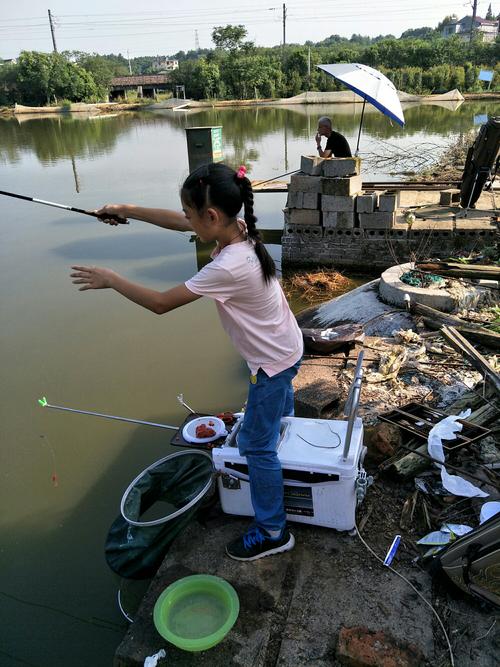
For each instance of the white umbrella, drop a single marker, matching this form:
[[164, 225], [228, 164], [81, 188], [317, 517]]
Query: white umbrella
[[372, 86]]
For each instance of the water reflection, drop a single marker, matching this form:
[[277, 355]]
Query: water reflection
[[68, 137]]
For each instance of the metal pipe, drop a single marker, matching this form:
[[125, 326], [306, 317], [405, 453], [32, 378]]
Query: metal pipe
[[44, 404]]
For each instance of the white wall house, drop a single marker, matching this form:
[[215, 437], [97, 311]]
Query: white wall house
[[487, 29]]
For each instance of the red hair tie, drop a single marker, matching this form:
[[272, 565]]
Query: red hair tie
[[241, 173]]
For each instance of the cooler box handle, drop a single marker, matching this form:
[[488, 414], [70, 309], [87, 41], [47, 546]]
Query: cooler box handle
[[352, 402]]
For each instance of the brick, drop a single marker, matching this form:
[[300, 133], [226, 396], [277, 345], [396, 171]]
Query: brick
[[388, 201], [449, 197], [347, 186], [312, 165], [337, 203], [377, 220], [341, 166], [304, 216], [366, 203], [360, 647], [304, 183], [338, 219]]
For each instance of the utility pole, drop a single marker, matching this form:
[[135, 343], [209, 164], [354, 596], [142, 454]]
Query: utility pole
[[474, 12], [284, 24], [52, 31], [129, 65], [309, 69], [196, 41]]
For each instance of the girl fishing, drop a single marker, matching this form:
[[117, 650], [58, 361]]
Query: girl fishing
[[254, 312]]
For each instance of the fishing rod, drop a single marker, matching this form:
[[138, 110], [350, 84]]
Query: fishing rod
[[43, 402], [118, 219]]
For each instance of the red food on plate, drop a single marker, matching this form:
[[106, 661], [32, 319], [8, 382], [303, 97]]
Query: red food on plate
[[227, 417], [204, 431]]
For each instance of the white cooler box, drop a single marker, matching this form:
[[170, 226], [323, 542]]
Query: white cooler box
[[321, 460]]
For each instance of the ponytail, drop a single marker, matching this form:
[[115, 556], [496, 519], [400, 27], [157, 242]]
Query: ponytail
[[265, 259], [229, 191]]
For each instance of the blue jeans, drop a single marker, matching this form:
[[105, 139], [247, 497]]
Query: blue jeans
[[269, 399]]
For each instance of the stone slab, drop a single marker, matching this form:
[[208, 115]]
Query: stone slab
[[350, 185], [200, 550], [338, 203]]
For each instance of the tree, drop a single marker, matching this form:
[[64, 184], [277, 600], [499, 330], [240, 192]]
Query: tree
[[489, 14], [229, 38], [44, 77]]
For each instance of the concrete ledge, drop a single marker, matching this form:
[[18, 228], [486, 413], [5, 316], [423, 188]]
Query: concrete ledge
[[392, 291]]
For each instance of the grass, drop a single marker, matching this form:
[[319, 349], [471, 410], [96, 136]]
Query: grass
[[315, 286]]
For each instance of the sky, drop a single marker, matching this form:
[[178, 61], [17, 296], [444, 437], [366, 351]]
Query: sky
[[152, 27]]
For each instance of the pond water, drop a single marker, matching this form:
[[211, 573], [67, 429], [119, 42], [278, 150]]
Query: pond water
[[63, 474]]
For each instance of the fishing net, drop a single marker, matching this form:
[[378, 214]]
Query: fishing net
[[155, 508], [420, 279]]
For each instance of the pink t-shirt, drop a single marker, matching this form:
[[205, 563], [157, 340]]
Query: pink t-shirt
[[254, 313]]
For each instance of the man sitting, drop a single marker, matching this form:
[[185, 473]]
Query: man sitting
[[336, 144]]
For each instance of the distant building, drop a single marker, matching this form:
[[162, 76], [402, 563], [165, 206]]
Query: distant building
[[487, 29], [146, 85], [8, 61], [164, 65]]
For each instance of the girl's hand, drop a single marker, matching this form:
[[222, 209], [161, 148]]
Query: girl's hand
[[92, 277], [105, 211], [318, 140]]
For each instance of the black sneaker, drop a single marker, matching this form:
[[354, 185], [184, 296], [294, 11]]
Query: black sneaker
[[256, 543]]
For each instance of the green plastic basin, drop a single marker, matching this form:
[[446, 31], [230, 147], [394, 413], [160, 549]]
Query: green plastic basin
[[196, 612]]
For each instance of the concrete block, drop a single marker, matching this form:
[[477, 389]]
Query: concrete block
[[377, 220], [388, 201], [338, 219], [310, 200], [312, 165], [449, 197], [304, 216], [295, 199], [341, 166], [304, 183], [337, 203], [367, 202], [350, 185]]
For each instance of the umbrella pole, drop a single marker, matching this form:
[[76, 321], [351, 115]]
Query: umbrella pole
[[360, 125]]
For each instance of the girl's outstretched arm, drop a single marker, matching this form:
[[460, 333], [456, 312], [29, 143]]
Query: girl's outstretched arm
[[94, 277], [161, 217]]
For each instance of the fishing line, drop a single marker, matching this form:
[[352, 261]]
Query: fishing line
[[101, 623], [450, 650], [54, 476]]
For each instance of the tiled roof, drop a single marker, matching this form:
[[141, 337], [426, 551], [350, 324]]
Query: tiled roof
[[140, 80]]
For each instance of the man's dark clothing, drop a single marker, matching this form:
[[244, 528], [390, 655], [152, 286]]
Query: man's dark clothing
[[337, 143]]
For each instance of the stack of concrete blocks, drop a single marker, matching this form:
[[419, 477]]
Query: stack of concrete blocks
[[324, 193], [377, 210]]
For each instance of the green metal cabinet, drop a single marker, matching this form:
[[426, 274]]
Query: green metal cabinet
[[204, 145]]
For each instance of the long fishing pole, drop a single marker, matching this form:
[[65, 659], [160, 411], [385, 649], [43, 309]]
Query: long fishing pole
[[118, 219], [43, 402]]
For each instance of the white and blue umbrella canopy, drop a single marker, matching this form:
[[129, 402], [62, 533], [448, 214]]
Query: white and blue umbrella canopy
[[371, 85]]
